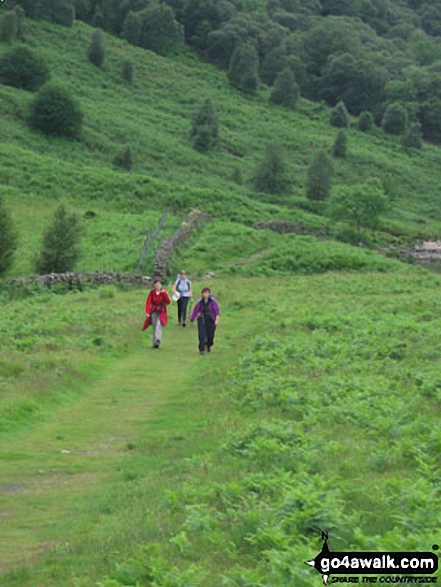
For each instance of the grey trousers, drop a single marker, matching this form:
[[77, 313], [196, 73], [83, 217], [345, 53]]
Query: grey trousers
[[157, 328]]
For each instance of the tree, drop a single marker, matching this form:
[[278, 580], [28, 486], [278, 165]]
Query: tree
[[124, 159], [132, 28], [273, 63], [340, 147], [8, 240], [55, 112], [205, 130], [160, 30], [127, 71], [271, 174], [95, 50], [360, 205], [319, 181], [20, 14], [359, 83], [413, 137], [365, 121], [22, 68], [8, 26], [395, 118], [243, 68], [339, 116], [430, 117], [61, 244], [154, 28], [286, 92]]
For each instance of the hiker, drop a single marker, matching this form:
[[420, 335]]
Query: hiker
[[207, 313], [182, 286], [156, 311]]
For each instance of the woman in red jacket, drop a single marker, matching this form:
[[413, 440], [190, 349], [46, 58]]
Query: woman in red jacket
[[156, 311]]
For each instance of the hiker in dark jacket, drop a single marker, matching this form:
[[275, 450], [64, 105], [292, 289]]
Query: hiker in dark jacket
[[182, 286], [207, 313]]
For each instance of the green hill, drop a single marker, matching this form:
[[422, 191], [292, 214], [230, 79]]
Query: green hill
[[318, 409], [153, 116]]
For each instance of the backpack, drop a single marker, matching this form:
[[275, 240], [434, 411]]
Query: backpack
[[187, 281]]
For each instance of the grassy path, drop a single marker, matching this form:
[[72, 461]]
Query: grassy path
[[149, 413]]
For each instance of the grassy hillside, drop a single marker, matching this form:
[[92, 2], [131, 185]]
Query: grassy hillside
[[319, 406], [153, 116]]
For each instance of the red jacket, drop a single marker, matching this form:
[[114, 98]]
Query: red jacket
[[156, 301]]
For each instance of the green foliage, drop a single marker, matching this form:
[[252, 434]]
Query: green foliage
[[8, 240], [413, 137], [340, 147], [271, 174], [339, 116], [22, 68], [8, 26], [127, 71], [307, 255], [153, 28], [365, 121], [205, 130], [359, 83], [359, 205], [319, 181], [20, 14], [286, 91], [124, 159], [55, 112], [61, 244], [96, 51], [430, 117], [243, 68], [395, 119]]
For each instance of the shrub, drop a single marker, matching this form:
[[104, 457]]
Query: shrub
[[95, 50], [8, 26], [395, 119], [127, 71], [55, 112], [339, 116], [124, 159], [271, 174], [413, 137], [60, 251], [340, 147], [8, 240], [319, 182], [22, 68], [286, 92], [359, 205], [205, 129], [243, 68], [365, 121]]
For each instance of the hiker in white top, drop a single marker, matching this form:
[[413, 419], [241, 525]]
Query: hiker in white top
[[182, 286]]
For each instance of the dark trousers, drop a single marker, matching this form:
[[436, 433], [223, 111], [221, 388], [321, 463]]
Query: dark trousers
[[206, 330], [182, 309]]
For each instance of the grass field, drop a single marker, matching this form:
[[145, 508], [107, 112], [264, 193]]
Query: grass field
[[318, 409]]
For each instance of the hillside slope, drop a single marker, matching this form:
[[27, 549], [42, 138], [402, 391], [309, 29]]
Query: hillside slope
[[153, 116]]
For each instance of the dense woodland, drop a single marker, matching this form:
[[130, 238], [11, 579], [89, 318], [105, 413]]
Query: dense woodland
[[370, 54]]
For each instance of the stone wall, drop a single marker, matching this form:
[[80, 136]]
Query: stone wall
[[286, 227], [167, 248], [74, 280]]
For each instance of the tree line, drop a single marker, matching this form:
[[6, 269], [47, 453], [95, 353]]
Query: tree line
[[369, 54]]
